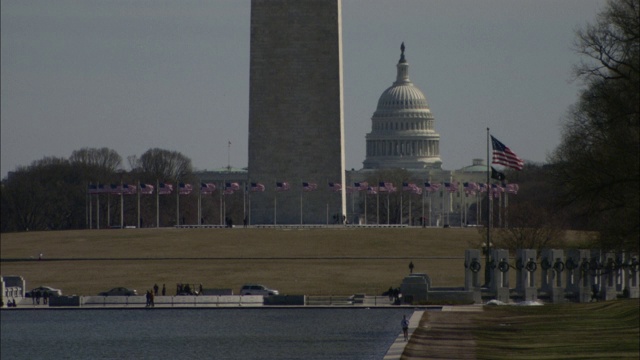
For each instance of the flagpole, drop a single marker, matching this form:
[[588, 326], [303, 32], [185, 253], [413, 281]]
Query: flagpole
[[88, 217], [487, 272], [200, 204], [97, 210], [157, 203], [177, 202], [121, 206], [138, 191]]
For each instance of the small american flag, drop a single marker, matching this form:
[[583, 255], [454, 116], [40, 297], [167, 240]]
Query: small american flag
[[361, 185], [232, 185], [371, 190], [282, 186], [165, 189], [207, 189], [146, 189], [309, 186], [512, 188], [256, 187], [335, 186], [185, 189]]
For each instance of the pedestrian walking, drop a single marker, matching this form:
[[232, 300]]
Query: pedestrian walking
[[411, 267], [155, 289], [405, 327], [164, 290]]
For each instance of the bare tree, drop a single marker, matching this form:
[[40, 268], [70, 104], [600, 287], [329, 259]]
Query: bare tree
[[165, 165], [103, 158], [597, 163]]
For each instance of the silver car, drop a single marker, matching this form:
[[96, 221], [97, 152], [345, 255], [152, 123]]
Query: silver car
[[256, 289], [119, 291], [41, 290]]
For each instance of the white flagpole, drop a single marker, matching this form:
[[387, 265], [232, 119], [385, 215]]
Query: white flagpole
[[98, 210], [138, 191], [89, 213], [157, 203], [121, 206], [177, 202]]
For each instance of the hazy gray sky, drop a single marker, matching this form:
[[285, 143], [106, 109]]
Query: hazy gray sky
[[135, 75]]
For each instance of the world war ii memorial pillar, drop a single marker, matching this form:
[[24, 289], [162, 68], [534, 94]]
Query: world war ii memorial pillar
[[472, 267], [499, 283], [551, 274], [296, 126], [578, 284], [525, 274]]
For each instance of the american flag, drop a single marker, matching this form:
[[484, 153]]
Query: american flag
[[335, 186], [228, 191], [146, 189], [282, 186], [512, 188], [371, 190], [165, 189], [470, 188], [482, 188], [361, 185], [207, 189], [185, 189], [232, 185], [256, 187], [431, 187], [504, 156], [496, 190], [385, 187], [309, 186], [451, 187]]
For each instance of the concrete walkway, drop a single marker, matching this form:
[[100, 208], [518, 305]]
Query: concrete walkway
[[445, 335], [396, 349]]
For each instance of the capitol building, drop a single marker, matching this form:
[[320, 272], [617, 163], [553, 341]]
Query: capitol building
[[402, 127]]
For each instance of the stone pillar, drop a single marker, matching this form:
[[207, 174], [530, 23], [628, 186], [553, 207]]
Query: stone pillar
[[551, 274], [472, 267], [525, 274], [632, 279], [577, 275], [499, 274], [610, 276], [595, 273]]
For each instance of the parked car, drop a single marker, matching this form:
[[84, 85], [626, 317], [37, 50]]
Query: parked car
[[42, 290], [256, 289], [119, 291]]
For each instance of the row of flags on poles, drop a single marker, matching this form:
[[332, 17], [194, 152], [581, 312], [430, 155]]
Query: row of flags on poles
[[469, 188], [502, 155]]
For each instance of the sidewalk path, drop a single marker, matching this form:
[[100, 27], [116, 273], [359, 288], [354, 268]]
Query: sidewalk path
[[396, 349], [445, 334]]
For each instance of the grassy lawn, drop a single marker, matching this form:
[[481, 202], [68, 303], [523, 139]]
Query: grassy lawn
[[603, 330], [336, 261]]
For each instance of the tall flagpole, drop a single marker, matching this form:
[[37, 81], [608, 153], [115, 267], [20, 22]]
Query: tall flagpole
[[138, 191], [157, 203], [487, 272]]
